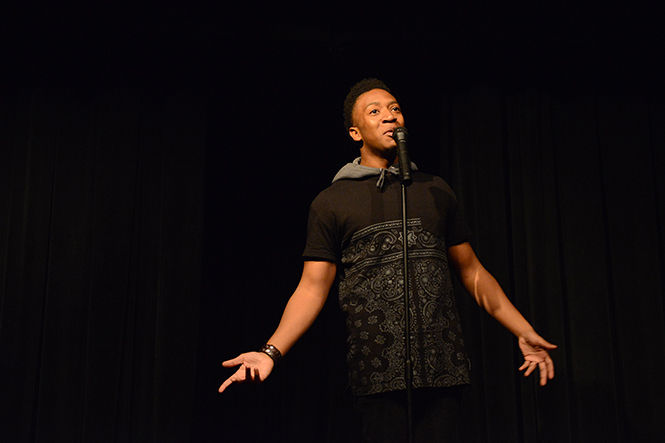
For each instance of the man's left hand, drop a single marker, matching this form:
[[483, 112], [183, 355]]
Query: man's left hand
[[534, 348]]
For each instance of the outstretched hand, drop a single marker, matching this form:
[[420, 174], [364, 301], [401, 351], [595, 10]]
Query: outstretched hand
[[534, 348], [254, 367]]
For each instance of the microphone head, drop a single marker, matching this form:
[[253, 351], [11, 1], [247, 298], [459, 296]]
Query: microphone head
[[399, 134]]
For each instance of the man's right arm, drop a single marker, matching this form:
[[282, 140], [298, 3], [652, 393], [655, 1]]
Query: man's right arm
[[300, 312]]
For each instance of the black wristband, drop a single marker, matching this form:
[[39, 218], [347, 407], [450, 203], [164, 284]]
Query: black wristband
[[271, 352]]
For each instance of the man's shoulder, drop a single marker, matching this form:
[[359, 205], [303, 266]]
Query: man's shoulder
[[432, 180], [335, 198], [340, 188]]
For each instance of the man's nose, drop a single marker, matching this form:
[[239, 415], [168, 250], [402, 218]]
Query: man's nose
[[389, 117]]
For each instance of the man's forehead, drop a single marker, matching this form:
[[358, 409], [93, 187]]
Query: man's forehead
[[374, 96]]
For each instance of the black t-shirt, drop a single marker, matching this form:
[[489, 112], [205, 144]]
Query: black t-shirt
[[358, 226]]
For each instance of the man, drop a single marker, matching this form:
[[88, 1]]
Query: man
[[354, 234]]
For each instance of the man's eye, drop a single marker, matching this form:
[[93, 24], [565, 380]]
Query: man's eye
[[396, 108], [374, 111]]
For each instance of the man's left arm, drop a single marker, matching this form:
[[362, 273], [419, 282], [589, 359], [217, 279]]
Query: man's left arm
[[489, 295]]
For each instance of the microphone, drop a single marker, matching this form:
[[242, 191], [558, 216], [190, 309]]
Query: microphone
[[399, 135]]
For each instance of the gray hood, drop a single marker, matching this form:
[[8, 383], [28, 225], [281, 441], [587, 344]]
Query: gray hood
[[355, 170]]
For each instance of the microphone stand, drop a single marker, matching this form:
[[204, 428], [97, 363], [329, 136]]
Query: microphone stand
[[405, 178], [407, 321]]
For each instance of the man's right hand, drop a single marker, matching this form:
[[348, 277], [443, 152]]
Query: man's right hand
[[254, 367], [301, 310]]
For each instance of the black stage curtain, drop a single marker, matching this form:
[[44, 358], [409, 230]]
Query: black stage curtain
[[565, 194], [101, 233]]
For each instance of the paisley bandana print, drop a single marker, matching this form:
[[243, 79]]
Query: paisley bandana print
[[371, 291]]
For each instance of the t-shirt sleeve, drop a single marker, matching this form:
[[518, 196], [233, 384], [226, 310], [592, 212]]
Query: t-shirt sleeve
[[322, 239], [457, 229]]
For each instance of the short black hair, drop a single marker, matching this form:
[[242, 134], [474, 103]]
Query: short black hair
[[364, 85]]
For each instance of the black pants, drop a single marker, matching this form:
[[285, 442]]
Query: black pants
[[435, 416]]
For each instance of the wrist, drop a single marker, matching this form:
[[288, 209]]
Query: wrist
[[526, 334], [272, 352]]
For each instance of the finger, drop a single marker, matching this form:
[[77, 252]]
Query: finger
[[532, 367], [524, 365], [257, 375], [233, 362], [238, 377], [542, 369], [228, 382]]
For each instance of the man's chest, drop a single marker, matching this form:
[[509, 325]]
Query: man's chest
[[367, 212]]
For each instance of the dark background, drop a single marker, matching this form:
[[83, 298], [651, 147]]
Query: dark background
[[156, 167]]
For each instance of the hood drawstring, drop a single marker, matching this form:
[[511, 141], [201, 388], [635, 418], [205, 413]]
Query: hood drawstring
[[382, 177], [355, 170]]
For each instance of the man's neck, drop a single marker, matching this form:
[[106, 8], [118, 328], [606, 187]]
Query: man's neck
[[372, 160]]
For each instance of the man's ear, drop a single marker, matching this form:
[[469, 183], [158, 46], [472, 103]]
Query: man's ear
[[355, 134]]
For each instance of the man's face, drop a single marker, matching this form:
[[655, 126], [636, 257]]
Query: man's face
[[376, 114]]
